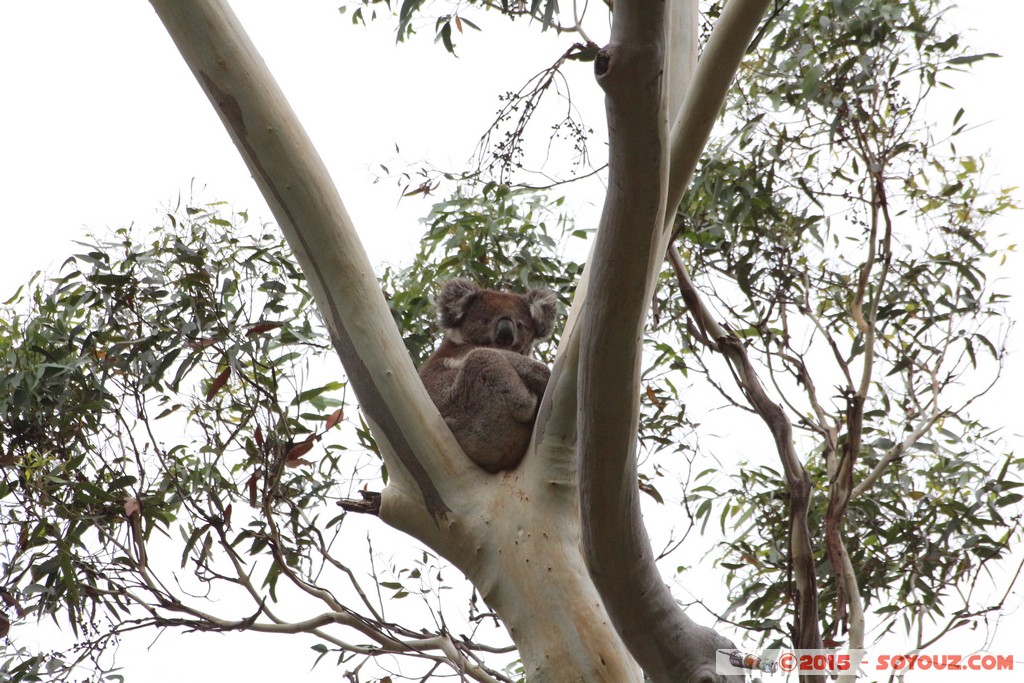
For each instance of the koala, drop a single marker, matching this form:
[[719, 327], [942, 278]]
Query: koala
[[482, 378]]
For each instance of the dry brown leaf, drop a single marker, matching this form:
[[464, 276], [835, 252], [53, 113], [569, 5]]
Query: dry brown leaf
[[218, 383]]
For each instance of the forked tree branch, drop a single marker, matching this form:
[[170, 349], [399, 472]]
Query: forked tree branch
[[849, 605], [525, 577]]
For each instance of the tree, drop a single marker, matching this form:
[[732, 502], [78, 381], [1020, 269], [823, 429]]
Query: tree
[[749, 221], [907, 260]]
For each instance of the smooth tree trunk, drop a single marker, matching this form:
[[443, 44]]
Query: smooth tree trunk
[[650, 165]]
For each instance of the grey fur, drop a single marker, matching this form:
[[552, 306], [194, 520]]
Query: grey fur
[[482, 378]]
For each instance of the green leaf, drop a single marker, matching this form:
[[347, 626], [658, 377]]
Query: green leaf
[[971, 59], [445, 36]]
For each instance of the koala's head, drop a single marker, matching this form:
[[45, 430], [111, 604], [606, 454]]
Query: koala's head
[[485, 317]]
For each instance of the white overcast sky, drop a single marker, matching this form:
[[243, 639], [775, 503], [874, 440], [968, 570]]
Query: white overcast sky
[[101, 124]]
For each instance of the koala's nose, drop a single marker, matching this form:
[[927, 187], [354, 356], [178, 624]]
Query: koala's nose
[[505, 333]]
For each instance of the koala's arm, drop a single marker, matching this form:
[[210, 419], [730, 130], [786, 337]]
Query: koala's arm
[[487, 376], [535, 375]]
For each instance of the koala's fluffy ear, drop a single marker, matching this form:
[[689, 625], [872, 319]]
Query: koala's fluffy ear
[[453, 300], [543, 310]]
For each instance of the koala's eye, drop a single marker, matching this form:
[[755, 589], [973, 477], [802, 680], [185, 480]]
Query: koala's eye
[[520, 324], [485, 321]]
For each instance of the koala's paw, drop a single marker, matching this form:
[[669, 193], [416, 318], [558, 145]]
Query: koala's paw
[[535, 375]]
